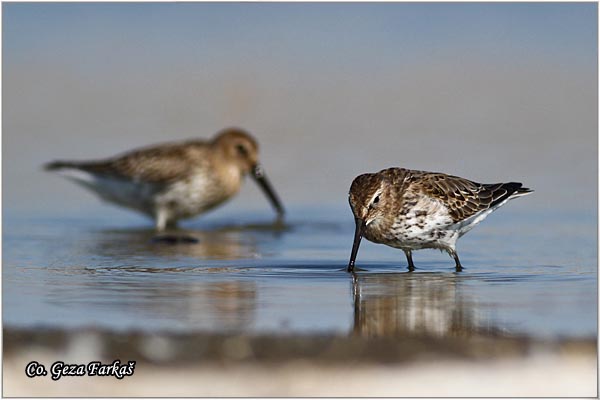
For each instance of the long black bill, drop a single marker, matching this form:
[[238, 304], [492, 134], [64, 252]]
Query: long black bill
[[358, 234], [259, 176]]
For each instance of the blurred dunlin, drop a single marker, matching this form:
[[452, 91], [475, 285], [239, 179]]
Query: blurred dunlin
[[174, 181], [412, 210]]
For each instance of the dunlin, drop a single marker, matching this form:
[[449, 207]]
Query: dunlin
[[174, 181], [412, 210]]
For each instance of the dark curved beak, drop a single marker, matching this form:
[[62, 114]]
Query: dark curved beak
[[259, 176], [358, 234]]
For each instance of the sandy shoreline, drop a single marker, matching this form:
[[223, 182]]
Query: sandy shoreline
[[261, 366], [535, 376]]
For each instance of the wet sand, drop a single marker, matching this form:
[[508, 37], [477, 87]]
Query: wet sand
[[170, 364]]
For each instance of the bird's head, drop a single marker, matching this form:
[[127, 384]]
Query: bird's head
[[367, 196], [239, 148]]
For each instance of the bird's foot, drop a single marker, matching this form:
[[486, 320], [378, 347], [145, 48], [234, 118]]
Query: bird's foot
[[353, 270], [174, 238]]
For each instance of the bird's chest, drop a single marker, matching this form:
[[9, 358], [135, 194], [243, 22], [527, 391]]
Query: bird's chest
[[412, 228], [197, 193]]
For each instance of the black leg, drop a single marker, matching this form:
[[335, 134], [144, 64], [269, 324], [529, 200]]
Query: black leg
[[411, 265], [459, 267]]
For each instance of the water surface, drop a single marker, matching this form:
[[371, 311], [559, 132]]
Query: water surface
[[525, 274]]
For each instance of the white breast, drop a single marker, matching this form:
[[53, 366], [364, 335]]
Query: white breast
[[194, 195], [424, 225]]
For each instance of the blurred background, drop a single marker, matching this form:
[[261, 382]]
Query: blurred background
[[491, 92]]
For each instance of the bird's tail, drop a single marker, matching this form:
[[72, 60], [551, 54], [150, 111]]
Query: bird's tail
[[516, 189], [508, 191], [79, 171], [86, 172], [87, 166], [58, 165]]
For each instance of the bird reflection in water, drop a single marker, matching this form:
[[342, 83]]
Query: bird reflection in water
[[413, 304], [232, 304], [219, 243], [213, 305]]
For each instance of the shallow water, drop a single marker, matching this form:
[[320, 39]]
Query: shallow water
[[525, 274]]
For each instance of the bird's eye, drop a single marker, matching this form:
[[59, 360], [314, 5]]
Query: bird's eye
[[376, 200], [242, 150]]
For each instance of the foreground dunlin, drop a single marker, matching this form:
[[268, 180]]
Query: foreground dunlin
[[174, 181], [412, 210]]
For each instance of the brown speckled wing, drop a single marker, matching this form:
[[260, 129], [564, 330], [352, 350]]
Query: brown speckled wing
[[462, 197], [159, 164]]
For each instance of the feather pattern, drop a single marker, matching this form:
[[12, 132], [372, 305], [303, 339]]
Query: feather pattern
[[162, 163], [463, 198]]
